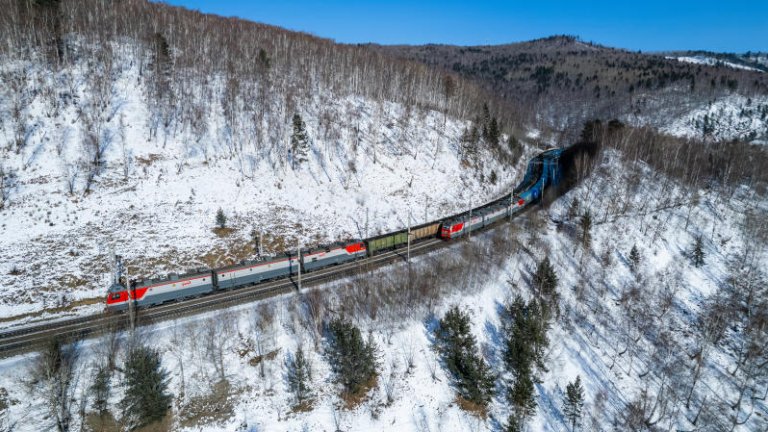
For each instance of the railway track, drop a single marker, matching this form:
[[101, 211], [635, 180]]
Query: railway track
[[26, 339]]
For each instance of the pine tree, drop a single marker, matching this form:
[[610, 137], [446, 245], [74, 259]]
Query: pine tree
[[545, 280], [493, 132], [697, 256], [146, 397], [221, 218], [485, 120], [299, 142], [526, 337], [515, 148], [300, 376], [457, 346], [573, 403], [521, 396], [526, 342], [469, 140], [634, 258], [352, 359], [101, 389], [514, 424], [586, 227], [264, 60]]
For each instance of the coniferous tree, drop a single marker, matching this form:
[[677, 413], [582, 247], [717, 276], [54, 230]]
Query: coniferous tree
[[264, 59], [101, 389], [458, 349], [697, 256], [586, 227], [526, 335], [352, 359], [299, 142], [545, 280], [469, 140], [515, 148], [522, 397], [573, 403], [634, 258], [524, 354], [221, 218], [146, 396], [300, 376], [493, 132], [514, 424], [485, 120]]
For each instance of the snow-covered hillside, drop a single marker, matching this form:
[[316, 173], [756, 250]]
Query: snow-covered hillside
[[732, 117], [701, 59], [154, 191], [630, 331]]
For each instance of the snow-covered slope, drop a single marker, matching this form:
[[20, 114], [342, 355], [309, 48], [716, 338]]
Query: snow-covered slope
[[700, 59], [154, 197], [627, 333], [732, 117]]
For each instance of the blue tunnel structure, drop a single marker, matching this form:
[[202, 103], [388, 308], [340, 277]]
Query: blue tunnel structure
[[544, 170]]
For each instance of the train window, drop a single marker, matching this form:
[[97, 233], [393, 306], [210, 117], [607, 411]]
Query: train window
[[116, 296]]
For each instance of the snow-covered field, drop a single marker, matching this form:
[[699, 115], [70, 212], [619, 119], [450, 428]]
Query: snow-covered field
[[601, 334], [371, 164]]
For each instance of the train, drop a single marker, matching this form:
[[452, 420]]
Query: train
[[543, 170]]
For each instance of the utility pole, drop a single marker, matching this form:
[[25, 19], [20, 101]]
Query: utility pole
[[261, 243], [469, 222], [408, 259], [298, 258], [131, 292]]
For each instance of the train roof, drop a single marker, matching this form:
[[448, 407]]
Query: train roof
[[329, 246], [249, 263], [175, 276]]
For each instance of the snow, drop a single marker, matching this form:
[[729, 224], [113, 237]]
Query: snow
[[730, 117], [587, 341], [371, 164], [712, 62]]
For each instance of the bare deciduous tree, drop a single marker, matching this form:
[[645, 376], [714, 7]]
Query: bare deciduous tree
[[54, 376]]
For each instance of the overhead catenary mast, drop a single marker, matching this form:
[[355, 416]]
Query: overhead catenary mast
[[120, 270], [408, 258], [469, 222], [298, 259]]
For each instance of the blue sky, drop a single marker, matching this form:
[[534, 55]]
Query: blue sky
[[650, 25]]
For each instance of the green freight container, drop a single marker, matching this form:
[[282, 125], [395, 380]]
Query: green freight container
[[388, 241]]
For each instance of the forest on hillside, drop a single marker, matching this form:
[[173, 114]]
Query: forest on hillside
[[564, 81]]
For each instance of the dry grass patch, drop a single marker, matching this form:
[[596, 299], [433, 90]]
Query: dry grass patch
[[69, 281], [223, 232], [149, 159], [306, 406], [106, 422], [259, 358], [215, 407], [353, 400], [473, 408]]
